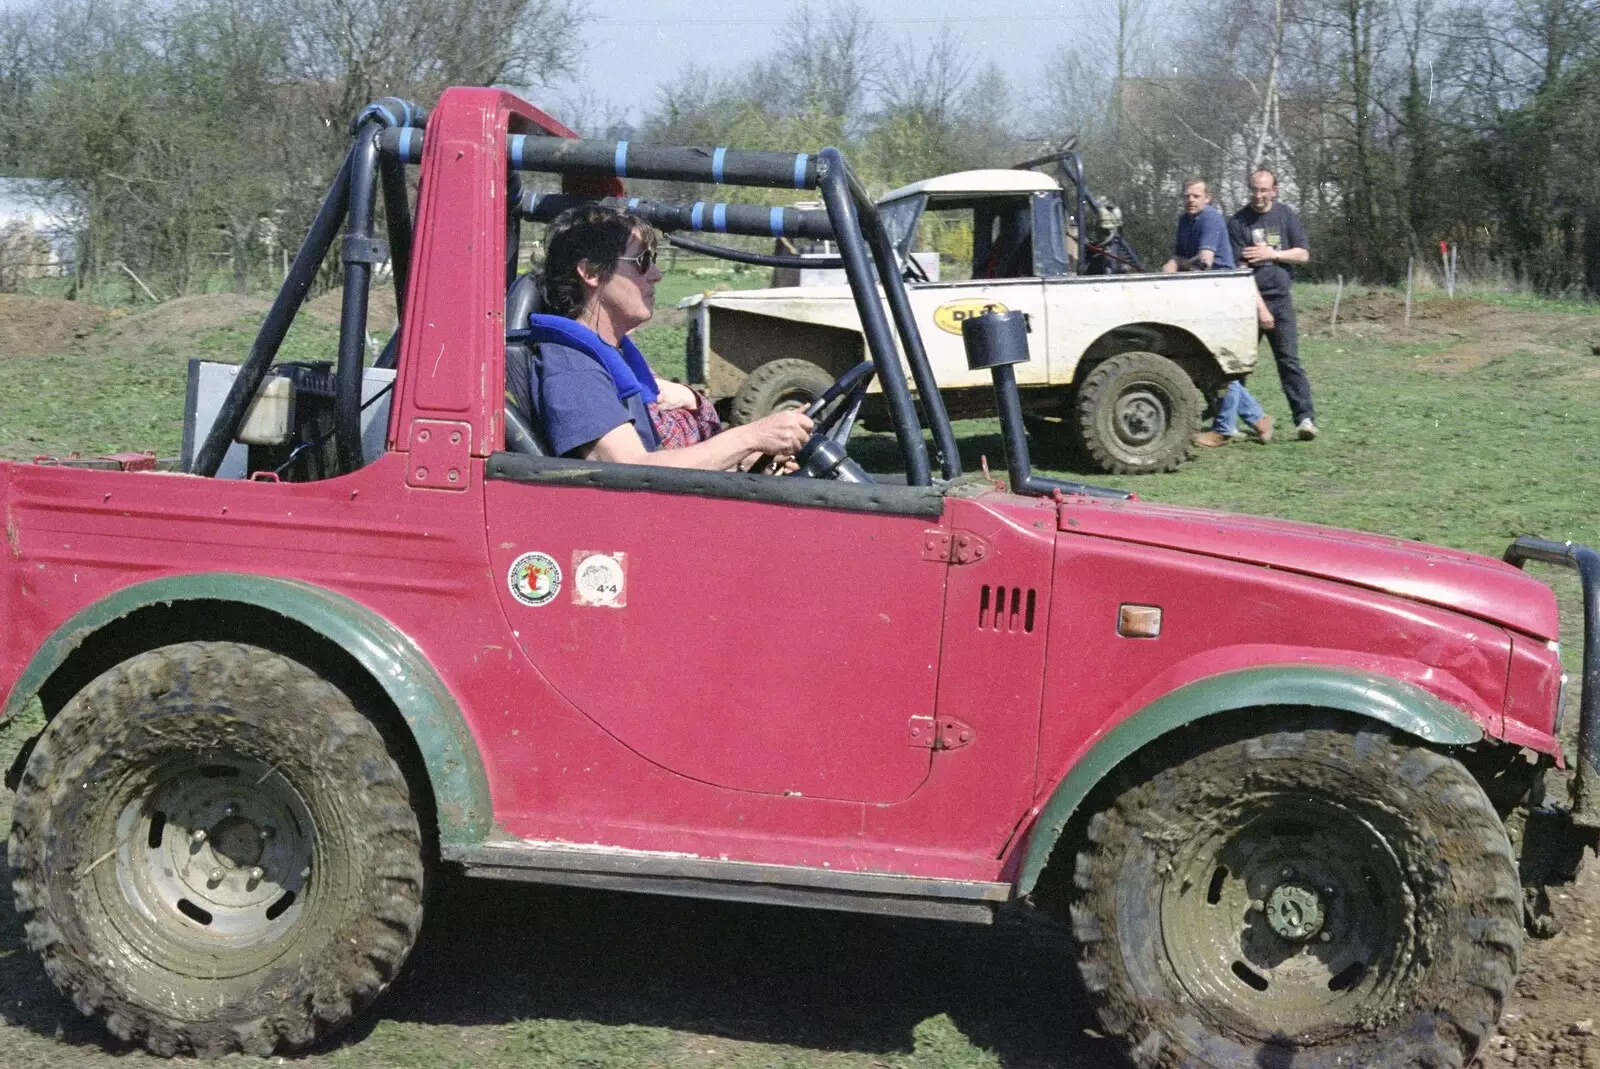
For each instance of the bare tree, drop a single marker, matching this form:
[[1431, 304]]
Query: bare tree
[[364, 49], [827, 57], [1269, 98]]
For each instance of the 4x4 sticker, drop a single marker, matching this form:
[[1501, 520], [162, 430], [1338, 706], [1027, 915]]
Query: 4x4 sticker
[[535, 579], [949, 316], [599, 578]]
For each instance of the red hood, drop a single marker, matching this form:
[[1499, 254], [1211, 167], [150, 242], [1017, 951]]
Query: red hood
[[1465, 582]]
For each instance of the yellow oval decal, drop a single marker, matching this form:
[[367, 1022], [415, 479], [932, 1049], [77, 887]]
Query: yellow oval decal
[[949, 317]]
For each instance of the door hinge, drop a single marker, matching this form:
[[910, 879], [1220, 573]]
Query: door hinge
[[440, 455], [940, 733], [953, 547]]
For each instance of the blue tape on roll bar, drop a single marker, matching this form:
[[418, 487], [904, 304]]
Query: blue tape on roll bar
[[800, 170], [515, 146], [622, 159], [410, 147], [717, 159], [633, 203], [696, 213], [775, 219], [719, 218]]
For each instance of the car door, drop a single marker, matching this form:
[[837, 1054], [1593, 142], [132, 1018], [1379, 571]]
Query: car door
[[754, 633]]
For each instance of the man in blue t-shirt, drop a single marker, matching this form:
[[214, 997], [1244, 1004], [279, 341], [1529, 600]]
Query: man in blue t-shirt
[[1202, 242]]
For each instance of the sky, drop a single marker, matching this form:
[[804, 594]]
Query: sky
[[633, 52]]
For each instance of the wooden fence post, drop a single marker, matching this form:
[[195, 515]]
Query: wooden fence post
[[1411, 266]]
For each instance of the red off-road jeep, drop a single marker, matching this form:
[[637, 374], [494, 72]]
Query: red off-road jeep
[[1263, 770]]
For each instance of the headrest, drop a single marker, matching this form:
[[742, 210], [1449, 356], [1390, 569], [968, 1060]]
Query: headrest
[[522, 300]]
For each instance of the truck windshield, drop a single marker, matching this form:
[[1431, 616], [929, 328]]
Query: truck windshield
[[900, 220]]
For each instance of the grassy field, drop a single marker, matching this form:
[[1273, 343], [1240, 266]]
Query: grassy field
[[1472, 426]]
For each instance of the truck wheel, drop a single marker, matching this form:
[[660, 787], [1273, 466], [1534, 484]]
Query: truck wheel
[[1137, 413], [1316, 895], [778, 385], [213, 851]]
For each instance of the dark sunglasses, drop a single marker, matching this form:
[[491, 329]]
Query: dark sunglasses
[[644, 261]]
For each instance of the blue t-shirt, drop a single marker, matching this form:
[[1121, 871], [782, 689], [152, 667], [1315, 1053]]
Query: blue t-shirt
[[575, 400], [1205, 230]]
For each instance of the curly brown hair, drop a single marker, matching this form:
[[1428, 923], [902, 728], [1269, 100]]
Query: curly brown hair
[[597, 233]]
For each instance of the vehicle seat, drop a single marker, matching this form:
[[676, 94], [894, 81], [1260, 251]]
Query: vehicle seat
[[522, 436]]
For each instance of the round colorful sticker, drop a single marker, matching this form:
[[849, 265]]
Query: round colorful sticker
[[535, 579]]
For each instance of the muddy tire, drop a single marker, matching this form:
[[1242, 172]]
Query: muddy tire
[[776, 386], [213, 851], [1316, 894], [1137, 413]]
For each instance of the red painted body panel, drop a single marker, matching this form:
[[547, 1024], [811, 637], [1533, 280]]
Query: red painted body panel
[[991, 680], [1532, 689], [1465, 582], [1220, 615], [761, 647], [750, 694]]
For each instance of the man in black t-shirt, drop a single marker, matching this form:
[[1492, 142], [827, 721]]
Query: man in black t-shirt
[[1277, 239]]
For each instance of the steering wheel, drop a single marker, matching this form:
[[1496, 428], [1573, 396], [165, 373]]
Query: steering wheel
[[823, 456]]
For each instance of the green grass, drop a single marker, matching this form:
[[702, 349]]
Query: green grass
[[1468, 454], [107, 398], [1468, 458]]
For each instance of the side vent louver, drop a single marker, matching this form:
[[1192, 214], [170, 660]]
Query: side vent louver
[[1006, 609]]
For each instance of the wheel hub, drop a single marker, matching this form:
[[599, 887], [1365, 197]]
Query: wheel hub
[[238, 842], [216, 858], [1289, 917], [1141, 418], [1295, 912]]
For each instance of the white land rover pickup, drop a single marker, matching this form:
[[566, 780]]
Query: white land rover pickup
[[1123, 365]]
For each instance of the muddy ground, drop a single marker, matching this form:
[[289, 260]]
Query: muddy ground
[[1553, 1020]]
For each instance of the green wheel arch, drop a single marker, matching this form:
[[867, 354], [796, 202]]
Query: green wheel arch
[[455, 773], [1401, 705]]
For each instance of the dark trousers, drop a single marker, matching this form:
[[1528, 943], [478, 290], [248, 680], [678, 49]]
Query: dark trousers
[[1284, 338]]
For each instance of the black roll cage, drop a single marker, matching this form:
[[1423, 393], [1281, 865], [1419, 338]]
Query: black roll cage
[[388, 135]]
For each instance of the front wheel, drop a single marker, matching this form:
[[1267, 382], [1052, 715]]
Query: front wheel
[[1309, 893], [1137, 413], [213, 851]]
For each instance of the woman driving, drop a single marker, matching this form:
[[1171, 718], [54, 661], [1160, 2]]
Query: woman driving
[[590, 384]]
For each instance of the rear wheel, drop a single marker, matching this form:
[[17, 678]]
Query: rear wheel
[[1318, 895], [777, 386], [1137, 413], [214, 851]]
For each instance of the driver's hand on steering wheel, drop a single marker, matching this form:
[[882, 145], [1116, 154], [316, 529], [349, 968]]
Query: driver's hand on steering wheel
[[781, 434], [764, 464]]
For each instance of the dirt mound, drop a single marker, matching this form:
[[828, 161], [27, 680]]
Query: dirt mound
[[178, 320], [1436, 316], [1481, 331], [380, 307], [37, 326]]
